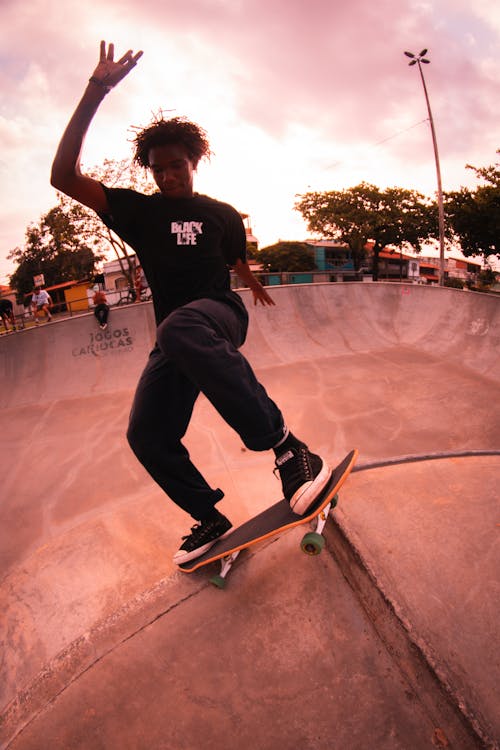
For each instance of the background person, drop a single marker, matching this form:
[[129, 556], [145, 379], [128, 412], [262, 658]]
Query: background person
[[139, 282], [7, 313], [101, 309], [40, 302]]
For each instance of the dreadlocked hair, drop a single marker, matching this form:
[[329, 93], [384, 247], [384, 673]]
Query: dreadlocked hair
[[162, 132]]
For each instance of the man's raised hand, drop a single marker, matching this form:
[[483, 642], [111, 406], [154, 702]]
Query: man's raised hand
[[108, 72]]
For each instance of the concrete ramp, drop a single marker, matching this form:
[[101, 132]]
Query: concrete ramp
[[86, 542], [73, 358]]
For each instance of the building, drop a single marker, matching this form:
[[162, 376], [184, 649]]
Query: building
[[252, 242], [114, 278], [335, 258], [7, 293], [455, 267], [429, 270]]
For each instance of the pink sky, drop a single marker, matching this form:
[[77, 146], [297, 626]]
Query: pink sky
[[295, 96]]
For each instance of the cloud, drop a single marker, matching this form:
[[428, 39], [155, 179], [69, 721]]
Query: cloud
[[334, 64], [294, 95]]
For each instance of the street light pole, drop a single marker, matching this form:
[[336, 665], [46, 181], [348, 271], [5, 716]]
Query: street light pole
[[417, 60]]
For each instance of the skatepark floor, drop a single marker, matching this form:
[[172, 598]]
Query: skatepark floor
[[388, 639]]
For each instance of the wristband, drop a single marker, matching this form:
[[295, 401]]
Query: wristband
[[101, 84]]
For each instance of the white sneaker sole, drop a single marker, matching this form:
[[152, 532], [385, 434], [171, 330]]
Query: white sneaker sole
[[305, 496], [183, 557]]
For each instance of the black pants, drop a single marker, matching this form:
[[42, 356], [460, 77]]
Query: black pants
[[101, 312], [197, 351]]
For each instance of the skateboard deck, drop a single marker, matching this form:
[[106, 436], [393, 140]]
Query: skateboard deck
[[272, 522]]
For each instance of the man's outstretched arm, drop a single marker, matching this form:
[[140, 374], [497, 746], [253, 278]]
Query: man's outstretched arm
[[259, 293], [66, 174]]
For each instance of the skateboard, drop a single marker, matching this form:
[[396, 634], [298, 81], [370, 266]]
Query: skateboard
[[272, 522]]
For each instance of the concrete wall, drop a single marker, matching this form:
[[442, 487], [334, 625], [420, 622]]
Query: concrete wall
[[74, 358]]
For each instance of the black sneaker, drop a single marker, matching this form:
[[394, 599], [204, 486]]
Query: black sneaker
[[203, 536], [303, 476]]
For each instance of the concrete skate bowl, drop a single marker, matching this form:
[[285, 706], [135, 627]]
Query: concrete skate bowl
[[397, 371]]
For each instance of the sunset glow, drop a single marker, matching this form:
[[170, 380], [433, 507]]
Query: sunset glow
[[295, 96]]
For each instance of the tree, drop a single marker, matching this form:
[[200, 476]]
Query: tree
[[286, 256], [124, 174], [113, 173], [475, 215], [70, 238], [486, 278], [394, 216], [56, 247]]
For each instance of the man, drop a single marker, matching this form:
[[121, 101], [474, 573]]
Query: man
[[139, 283], [40, 302], [101, 308], [7, 313], [185, 243]]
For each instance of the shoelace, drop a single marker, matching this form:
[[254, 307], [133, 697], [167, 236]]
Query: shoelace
[[295, 469], [198, 531], [194, 529]]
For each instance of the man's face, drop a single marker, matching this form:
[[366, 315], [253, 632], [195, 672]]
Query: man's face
[[172, 170]]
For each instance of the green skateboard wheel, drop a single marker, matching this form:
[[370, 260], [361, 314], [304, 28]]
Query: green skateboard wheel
[[218, 581], [312, 543]]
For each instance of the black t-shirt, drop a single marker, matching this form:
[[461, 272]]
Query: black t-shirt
[[184, 245]]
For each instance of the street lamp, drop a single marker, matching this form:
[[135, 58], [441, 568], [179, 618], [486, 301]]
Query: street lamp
[[417, 60]]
